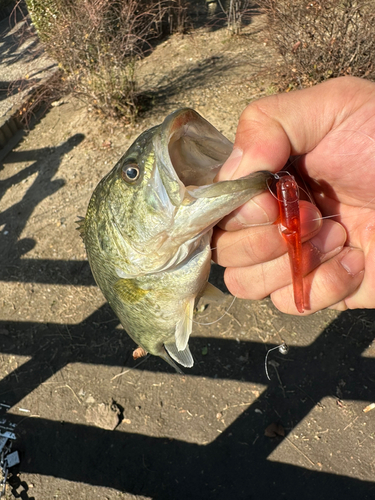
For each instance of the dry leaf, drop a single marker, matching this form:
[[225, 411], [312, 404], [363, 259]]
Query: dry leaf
[[369, 407], [139, 353], [274, 430]]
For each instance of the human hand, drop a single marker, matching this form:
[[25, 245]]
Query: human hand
[[332, 128]]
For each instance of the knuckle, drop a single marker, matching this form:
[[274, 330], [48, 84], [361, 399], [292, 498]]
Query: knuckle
[[240, 284], [235, 285]]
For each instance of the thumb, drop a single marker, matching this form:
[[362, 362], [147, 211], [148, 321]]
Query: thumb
[[272, 129]]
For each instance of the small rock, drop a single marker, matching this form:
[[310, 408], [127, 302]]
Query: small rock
[[104, 415], [58, 103]]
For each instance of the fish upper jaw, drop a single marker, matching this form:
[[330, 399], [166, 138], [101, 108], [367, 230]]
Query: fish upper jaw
[[163, 193], [164, 174], [188, 150]]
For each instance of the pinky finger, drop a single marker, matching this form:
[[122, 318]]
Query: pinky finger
[[328, 285]]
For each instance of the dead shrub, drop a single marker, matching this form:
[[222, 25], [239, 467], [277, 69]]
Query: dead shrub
[[235, 13], [323, 39], [97, 42]]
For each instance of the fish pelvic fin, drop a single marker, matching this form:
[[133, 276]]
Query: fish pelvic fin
[[183, 357], [179, 350], [169, 360], [212, 293], [81, 226], [185, 326]]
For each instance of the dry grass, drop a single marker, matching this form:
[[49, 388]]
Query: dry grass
[[96, 43], [323, 39]]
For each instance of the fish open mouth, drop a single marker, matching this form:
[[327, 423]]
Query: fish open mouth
[[196, 149]]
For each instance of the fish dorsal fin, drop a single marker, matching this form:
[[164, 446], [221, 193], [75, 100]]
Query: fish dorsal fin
[[183, 357], [81, 226], [185, 325], [213, 293]]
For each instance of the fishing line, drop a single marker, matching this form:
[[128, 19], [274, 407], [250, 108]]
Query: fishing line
[[132, 368], [309, 195], [250, 226], [329, 217], [347, 216], [356, 153], [216, 320], [245, 236], [277, 177], [283, 349]]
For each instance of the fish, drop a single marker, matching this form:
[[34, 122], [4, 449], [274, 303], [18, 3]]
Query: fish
[[148, 228]]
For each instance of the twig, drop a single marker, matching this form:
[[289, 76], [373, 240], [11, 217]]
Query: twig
[[130, 369], [315, 402], [272, 363], [68, 386], [352, 422], [235, 319], [296, 447]]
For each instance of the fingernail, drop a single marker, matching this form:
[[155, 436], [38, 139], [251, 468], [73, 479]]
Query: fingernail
[[353, 262], [330, 237], [311, 219], [232, 163]]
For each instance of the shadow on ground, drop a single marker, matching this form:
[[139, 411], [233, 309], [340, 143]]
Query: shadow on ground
[[235, 464], [12, 40]]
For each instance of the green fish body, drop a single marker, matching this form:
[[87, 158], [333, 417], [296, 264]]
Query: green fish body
[[148, 228]]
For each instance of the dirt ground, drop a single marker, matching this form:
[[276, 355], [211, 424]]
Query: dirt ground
[[65, 359]]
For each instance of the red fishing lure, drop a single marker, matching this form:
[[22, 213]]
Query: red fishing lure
[[290, 228]]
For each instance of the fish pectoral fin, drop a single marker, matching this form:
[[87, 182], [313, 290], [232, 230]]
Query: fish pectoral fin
[[183, 357], [185, 325], [213, 293], [129, 291]]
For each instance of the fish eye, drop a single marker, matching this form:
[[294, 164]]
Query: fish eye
[[130, 172]]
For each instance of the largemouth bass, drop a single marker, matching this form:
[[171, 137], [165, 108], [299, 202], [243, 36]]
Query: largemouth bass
[[148, 228]]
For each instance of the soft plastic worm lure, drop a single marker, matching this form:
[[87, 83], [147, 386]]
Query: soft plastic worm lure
[[290, 228]]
